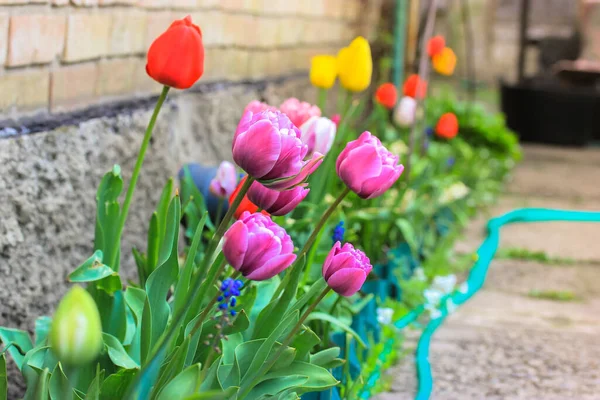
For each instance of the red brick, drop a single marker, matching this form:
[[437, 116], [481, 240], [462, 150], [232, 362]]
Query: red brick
[[24, 90], [35, 39], [87, 36], [73, 86], [128, 33], [116, 77]]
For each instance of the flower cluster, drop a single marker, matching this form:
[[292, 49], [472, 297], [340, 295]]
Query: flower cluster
[[230, 289], [338, 232]]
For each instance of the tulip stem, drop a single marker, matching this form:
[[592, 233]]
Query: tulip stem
[[135, 175], [210, 305], [288, 339], [219, 211], [322, 100]]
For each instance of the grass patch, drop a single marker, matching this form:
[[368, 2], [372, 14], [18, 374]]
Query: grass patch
[[528, 255], [554, 295]]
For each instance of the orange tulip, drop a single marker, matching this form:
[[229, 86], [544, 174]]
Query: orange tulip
[[435, 45], [444, 62], [176, 58], [447, 126], [411, 84], [387, 95]]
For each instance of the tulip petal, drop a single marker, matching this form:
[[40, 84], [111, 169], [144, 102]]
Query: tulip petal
[[263, 246], [272, 267], [257, 149], [289, 160], [236, 244], [290, 182], [288, 204], [376, 186], [348, 281], [360, 164], [329, 259]]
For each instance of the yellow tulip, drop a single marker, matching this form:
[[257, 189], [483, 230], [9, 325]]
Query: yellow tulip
[[355, 65], [323, 71], [444, 62]]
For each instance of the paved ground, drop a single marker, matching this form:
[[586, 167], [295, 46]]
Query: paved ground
[[507, 343]]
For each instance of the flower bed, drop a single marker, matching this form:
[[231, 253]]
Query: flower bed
[[291, 284]]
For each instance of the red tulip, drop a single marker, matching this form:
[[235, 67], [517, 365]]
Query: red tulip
[[387, 95], [447, 126], [176, 58], [246, 204], [411, 84], [435, 45]]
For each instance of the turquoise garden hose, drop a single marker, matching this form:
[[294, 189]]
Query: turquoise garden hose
[[475, 281]]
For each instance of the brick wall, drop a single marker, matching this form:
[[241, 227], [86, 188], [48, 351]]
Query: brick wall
[[61, 55]]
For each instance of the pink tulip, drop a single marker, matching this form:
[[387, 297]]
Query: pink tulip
[[367, 167], [299, 111], [336, 118], [225, 182], [268, 147], [345, 269], [257, 106], [318, 133], [274, 202], [258, 247]]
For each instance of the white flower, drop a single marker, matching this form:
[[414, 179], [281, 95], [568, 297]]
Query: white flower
[[385, 315], [419, 274], [444, 284], [433, 296], [454, 192], [405, 111], [318, 133]]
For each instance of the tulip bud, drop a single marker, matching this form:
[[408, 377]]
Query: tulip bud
[[225, 182], [367, 167], [275, 202], [323, 71], [299, 111], [405, 112], [355, 65], [414, 83], [387, 95], [76, 333], [345, 269], [444, 62], [267, 146], [435, 45], [176, 58], [318, 133], [258, 247], [447, 126]]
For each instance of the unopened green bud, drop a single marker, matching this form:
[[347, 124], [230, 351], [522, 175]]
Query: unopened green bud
[[76, 333]]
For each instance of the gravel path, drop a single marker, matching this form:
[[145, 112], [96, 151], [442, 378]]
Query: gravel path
[[510, 341]]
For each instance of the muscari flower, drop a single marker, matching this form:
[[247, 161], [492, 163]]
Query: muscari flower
[[338, 232], [230, 289]]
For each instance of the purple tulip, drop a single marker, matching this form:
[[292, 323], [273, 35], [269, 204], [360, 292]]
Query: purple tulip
[[225, 182], [346, 269], [258, 247], [299, 111], [367, 167], [318, 133], [268, 147], [275, 202]]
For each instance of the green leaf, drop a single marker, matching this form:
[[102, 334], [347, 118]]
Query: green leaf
[[214, 394], [409, 234], [182, 385], [93, 392], [266, 347], [146, 332], [42, 327], [183, 284], [115, 385], [21, 339], [92, 269], [274, 386], [326, 357], [41, 387], [165, 275], [60, 387], [303, 342], [117, 353], [269, 317], [3, 378], [174, 366], [318, 378], [107, 215], [337, 323], [239, 324]]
